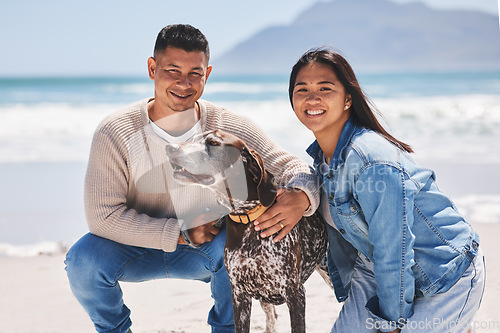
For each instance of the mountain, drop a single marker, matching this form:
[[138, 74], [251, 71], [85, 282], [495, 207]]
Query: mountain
[[374, 35]]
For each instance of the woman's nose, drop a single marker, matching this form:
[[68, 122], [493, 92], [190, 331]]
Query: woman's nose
[[312, 98]]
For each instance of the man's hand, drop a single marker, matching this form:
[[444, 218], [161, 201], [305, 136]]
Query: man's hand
[[284, 214], [203, 233], [203, 229]]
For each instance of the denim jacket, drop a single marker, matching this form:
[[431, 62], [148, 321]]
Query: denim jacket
[[392, 212]]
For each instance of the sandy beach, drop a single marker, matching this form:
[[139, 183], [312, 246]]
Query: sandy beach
[[35, 297]]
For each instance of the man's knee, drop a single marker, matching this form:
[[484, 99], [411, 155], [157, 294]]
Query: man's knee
[[84, 262]]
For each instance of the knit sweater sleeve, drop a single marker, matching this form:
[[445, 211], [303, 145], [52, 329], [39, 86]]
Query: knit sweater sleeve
[[289, 170], [107, 195]]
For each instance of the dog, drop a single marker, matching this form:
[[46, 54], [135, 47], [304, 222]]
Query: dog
[[259, 268]]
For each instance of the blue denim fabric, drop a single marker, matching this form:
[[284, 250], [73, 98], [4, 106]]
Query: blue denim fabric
[[341, 257], [447, 312], [96, 265], [392, 212]]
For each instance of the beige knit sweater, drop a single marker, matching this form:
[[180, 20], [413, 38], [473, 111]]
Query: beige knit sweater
[[130, 196]]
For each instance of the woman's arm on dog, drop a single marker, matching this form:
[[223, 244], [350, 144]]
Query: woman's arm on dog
[[284, 214]]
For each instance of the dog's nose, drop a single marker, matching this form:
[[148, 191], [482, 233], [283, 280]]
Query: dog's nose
[[171, 148]]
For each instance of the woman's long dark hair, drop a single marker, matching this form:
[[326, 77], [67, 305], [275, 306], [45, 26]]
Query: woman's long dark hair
[[361, 112]]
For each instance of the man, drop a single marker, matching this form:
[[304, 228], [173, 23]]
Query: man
[[135, 209]]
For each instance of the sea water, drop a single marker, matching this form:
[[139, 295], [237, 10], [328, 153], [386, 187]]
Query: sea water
[[452, 120]]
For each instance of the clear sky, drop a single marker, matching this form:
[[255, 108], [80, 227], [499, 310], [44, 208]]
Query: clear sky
[[115, 37]]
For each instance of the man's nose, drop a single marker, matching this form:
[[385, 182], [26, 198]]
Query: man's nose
[[184, 81]]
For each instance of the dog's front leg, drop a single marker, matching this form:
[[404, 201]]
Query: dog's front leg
[[271, 316], [296, 302], [242, 308]]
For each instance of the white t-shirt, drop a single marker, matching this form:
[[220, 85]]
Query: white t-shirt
[[193, 131]]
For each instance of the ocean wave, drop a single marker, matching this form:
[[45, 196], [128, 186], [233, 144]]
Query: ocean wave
[[453, 128], [49, 132], [443, 127], [246, 88]]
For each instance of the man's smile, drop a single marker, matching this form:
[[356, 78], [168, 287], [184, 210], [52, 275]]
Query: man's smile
[[179, 95]]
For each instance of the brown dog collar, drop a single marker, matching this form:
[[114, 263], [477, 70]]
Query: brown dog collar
[[250, 216]]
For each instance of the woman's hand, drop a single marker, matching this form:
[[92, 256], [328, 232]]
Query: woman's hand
[[284, 214]]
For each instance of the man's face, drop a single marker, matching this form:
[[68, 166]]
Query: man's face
[[179, 78]]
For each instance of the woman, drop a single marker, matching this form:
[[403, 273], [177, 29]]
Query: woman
[[400, 255]]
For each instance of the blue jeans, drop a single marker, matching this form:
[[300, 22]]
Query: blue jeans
[[95, 266], [451, 311]]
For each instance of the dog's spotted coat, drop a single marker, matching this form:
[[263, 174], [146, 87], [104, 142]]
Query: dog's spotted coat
[[272, 272], [258, 268]]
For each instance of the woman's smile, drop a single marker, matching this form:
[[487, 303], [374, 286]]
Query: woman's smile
[[315, 112], [320, 100]]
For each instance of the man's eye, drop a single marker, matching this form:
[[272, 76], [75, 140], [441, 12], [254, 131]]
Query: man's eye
[[173, 72]]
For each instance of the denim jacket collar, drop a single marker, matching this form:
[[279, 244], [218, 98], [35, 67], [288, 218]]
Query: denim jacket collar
[[314, 150]]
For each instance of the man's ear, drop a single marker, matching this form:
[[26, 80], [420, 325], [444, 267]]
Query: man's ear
[[151, 68], [209, 70]]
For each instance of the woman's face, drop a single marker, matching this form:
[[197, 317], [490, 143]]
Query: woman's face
[[319, 99]]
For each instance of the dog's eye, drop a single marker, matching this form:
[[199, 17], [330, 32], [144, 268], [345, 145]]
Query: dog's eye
[[213, 143]]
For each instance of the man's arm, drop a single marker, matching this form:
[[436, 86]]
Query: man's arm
[[106, 189]]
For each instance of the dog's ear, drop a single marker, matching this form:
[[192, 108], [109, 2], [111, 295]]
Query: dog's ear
[[265, 181], [267, 190]]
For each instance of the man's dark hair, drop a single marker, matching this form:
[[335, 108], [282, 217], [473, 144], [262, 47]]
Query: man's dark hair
[[182, 36]]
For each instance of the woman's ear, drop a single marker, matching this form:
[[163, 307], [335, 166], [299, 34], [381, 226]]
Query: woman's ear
[[348, 102]]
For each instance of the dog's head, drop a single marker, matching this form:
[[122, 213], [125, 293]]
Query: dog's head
[[219, 156]]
